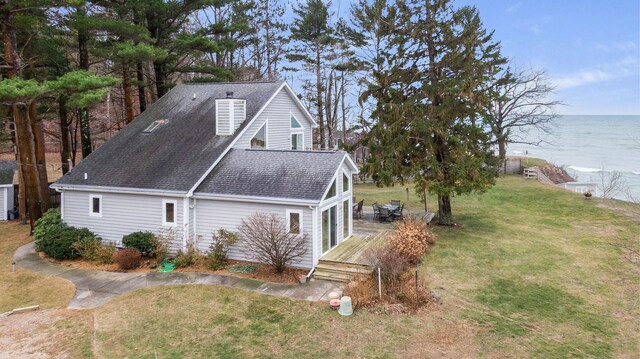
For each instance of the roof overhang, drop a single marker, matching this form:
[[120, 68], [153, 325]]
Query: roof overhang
[[255, 199], [123, 190], [304, 110]]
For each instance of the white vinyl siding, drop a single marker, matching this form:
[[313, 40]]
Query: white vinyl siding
[[122, 214], [212, 215], [338, 201], [4, 200], [278, 112]]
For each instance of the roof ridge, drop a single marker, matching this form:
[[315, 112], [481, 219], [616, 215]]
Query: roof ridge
[[292, 151], [233, 82]]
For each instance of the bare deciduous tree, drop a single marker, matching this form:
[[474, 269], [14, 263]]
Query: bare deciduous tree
[[266, 238], [521, 102], [611, 183]]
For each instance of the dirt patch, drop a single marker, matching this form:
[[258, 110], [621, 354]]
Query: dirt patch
[[59, 333], [235, 268], [627, 209], [556, 174]]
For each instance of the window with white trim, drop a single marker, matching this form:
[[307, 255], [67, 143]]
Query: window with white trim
[[95, 205], [294, 122], [294, 221], [297, 141], [345, 182], [332, 191], [259, 140], [169, 212]]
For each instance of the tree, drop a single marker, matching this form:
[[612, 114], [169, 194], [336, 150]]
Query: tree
[[311, 28], [266, 238], [429, 101], [521, 102]]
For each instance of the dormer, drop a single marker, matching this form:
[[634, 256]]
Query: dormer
[[230, 114]]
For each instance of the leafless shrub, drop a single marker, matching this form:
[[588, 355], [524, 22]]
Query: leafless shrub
[[611, 183], [264, 237]]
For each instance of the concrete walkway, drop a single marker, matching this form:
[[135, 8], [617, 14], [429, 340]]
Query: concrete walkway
[[94, 288]]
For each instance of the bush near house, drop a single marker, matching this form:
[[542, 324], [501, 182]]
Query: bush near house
[[45, 226], [145, 242], [412, 239], [60, 244], [92, 249], [265, 238], [127, 258], [217, 257]]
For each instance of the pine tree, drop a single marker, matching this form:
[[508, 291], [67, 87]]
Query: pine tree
[[429, 99], [312, 30]]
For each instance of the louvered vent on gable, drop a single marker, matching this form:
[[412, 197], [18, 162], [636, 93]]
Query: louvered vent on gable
[[230, 114]]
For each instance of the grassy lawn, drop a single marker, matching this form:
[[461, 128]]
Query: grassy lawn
[[530, 272], [22, 288]]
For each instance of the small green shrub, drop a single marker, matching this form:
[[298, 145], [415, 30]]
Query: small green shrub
[[60, 244], [127, 258], [104, 253], [88, 247], [188, 258], [47, 225], [217, 256], [145, 242]]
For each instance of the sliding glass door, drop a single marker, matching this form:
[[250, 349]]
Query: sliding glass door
[[329, 228]]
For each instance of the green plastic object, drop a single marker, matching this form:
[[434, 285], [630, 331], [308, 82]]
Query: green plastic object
[[237, 268], [166, 266]]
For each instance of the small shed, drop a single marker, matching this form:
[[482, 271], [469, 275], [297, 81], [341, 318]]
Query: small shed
[[8, 171]]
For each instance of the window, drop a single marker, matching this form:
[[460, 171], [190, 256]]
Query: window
[[332, 190], [294, 122], [346, 214], [95, 205], [169, 212], [259, 140], [297, 141], [294, 221], [345, 182], [154, 125]]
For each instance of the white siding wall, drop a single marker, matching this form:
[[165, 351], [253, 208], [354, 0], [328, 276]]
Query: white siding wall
[[212, 215], [121, 214], [278, 114], [4, 206]]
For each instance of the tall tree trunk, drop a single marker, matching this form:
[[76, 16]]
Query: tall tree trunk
[[28, 168], [83, 55], [161, 78], [320, 106], [65, 134], [40, 156], [128, 96], [344, 112], [502, 152], [444, 210], [267, 25], [141, 95], [14, 70]]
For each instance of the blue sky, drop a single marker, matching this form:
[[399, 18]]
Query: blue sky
[[590, 49]]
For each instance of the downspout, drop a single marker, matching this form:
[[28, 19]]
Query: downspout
[[313, 241], [195, 227], [185, 222]]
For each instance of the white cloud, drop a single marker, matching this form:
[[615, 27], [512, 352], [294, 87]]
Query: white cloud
[[512, 9], [626, 67], [581, 77], [625, 46]]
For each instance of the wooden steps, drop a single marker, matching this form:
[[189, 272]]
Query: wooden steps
[[340, 271]]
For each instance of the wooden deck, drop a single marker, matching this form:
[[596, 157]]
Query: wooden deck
[[348, 259]]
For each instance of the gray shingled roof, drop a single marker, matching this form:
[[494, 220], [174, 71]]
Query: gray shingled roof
[[278, 174], [7, 171], [175, 155]]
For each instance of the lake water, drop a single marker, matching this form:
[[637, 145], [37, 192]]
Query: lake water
[[588, 147]]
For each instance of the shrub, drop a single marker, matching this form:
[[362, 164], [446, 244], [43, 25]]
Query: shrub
[[46, 226], [392, 264], [188, 258], [265, 238], [163, 240], [217, 255], [104, 253], [59, 244], [127, 258], [88, 247], [145, 242], [411, 239]]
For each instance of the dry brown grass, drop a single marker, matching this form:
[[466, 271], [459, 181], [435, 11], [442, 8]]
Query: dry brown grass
[[24, 288]]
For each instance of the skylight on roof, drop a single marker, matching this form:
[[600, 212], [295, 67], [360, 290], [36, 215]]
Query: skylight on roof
[[155, 124]]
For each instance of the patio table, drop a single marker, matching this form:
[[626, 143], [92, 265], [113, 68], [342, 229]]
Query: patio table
[[391, 207]]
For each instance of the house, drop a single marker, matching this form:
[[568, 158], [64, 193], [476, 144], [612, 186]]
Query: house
[[8, 171], [205, 156]]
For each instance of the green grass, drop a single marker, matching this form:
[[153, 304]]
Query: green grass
[[530, 272], [531, 262]]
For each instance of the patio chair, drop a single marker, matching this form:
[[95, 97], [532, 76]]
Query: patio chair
[[376, 210], [357, 209], [395, 202], [385, 214], [398, 213]]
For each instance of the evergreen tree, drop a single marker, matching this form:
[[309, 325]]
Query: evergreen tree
[[312, 30], [429, 95]]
